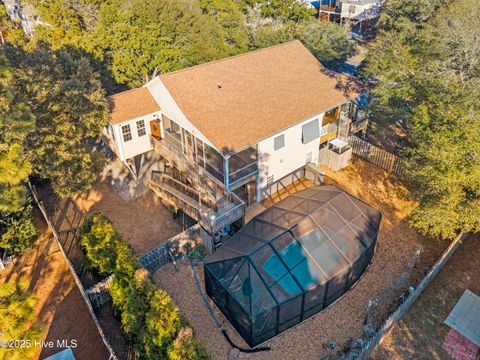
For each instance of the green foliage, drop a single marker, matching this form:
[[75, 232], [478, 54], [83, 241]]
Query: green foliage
[[68, 22], [17, 313], [16, 121], [18, 232], [265, 36], [139, 38], [163, 324], [407, 13], [430, 85], [327, 41], [100, 241], [229, 16], [68, 102], [186, 347], [285, 11], [149, 317]]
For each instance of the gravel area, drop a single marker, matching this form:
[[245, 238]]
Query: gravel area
[[144, 222], [342, 321]]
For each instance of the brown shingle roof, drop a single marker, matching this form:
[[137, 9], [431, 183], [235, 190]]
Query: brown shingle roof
[[131, 104], [236, 102]]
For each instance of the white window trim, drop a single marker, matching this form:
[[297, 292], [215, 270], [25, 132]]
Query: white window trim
[[126, 133], [141, 128]]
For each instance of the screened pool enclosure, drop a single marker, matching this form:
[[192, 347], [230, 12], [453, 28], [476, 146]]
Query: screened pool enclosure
[[292, 261]]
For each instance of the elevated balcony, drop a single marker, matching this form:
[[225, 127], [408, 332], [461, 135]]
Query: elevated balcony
[[328, 132]]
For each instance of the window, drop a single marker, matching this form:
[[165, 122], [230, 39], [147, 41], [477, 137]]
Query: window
[[351, 9], [279, 142], [141, 128], [310, 131], [270, 180], [127, 133]]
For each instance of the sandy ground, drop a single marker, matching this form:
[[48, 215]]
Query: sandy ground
[[60, 305], [421, 332], [397, 243], [144, 222]]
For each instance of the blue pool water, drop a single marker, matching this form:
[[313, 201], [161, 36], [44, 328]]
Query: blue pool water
[[293, 256]]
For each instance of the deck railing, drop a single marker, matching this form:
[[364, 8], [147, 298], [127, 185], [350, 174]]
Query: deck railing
[[206, 211], [243, 173]]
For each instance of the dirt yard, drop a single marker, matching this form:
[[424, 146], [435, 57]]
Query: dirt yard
[[422, 328], [344, 320], [60, 306], [144, 222]]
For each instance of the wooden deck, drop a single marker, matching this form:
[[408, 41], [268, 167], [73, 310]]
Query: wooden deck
[[197, 194]]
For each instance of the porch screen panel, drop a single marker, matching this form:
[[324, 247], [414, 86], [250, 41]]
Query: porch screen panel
[[310, 131]]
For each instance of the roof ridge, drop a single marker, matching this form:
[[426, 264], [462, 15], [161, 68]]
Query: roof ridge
[[231, 57]]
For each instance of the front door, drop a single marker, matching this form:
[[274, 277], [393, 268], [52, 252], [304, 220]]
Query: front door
[[155, 128]]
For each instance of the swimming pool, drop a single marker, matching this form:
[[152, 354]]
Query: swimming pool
[[293, 256]]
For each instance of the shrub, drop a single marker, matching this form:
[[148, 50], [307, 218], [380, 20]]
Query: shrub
[[19, 232], [148, 315], [101, 241], [163, 324], [185, 347]]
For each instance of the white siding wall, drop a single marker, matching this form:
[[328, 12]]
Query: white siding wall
[[136, 146], [292, 156]]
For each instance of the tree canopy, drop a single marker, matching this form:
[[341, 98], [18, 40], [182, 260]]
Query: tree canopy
[[429, 82], [68, 103], [16, 121], [17, 312]]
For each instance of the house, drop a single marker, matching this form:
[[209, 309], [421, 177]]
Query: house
[[24, 13], [360, 15], [244, 122]]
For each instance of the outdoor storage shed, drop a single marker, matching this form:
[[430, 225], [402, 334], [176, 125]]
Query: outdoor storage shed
[[292, 261]]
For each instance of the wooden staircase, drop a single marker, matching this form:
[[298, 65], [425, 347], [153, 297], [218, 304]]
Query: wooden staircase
[[189, 188]]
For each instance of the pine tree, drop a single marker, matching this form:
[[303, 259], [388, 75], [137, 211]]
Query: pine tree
[[68, 102], [16, 314]]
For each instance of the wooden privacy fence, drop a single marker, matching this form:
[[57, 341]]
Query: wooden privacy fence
[[366, 350], [377, 156]]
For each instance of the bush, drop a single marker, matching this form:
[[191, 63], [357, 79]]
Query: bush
[[185, 347], [163, 324], [19, 232], [148, 315], [105, 248]]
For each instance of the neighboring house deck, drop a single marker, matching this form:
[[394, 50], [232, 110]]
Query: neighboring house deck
[[230, 129], [360, 15]]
